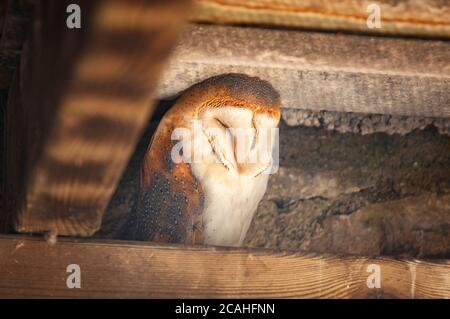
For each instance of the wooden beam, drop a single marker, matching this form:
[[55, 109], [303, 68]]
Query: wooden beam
[[78, 106], [14, 18], [426, 18], [30, 267], [320, 71]]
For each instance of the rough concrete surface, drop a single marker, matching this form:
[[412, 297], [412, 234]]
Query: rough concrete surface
[[348, 122], [375, 194]]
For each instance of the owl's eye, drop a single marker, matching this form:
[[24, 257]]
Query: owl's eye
[[252, 147], [222, 124]]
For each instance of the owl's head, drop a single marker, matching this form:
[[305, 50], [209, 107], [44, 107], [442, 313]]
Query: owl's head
[[236, 118]]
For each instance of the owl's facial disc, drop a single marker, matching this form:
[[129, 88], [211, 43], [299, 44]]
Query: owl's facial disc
[[239, 139]]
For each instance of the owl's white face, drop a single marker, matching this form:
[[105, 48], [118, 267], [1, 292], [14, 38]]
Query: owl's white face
[[236, 140], [232, 180]]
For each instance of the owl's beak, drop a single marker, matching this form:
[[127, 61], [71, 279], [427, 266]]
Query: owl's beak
[[252, 170], [254, 156]]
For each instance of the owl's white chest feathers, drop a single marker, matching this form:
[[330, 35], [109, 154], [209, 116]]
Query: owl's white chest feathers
[[230, 203]]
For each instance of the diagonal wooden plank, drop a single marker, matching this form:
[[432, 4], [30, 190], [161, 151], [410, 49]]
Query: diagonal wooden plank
[[320, 71], [30, 267], [79, 103]]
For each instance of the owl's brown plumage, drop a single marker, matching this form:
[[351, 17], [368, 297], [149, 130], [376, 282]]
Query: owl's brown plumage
[[180, 203], [168, 207]]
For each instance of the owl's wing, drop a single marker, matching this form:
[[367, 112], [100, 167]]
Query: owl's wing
[[170, 200]]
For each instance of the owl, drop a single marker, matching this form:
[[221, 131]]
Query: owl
[[208, 163]]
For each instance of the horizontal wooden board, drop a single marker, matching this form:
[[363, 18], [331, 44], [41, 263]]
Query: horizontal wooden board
[[425, 18], [30, 267], [320, 71]]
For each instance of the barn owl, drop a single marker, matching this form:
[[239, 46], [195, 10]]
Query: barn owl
[[208, 199]]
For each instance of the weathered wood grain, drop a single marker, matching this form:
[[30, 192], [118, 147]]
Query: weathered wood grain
[[425, 18], [320, 71], [30, 267], [77, 108], [14, 18]]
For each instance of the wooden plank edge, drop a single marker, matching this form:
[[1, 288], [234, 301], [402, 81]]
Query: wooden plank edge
[[30, 267], [401, 19], [316, 71]]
